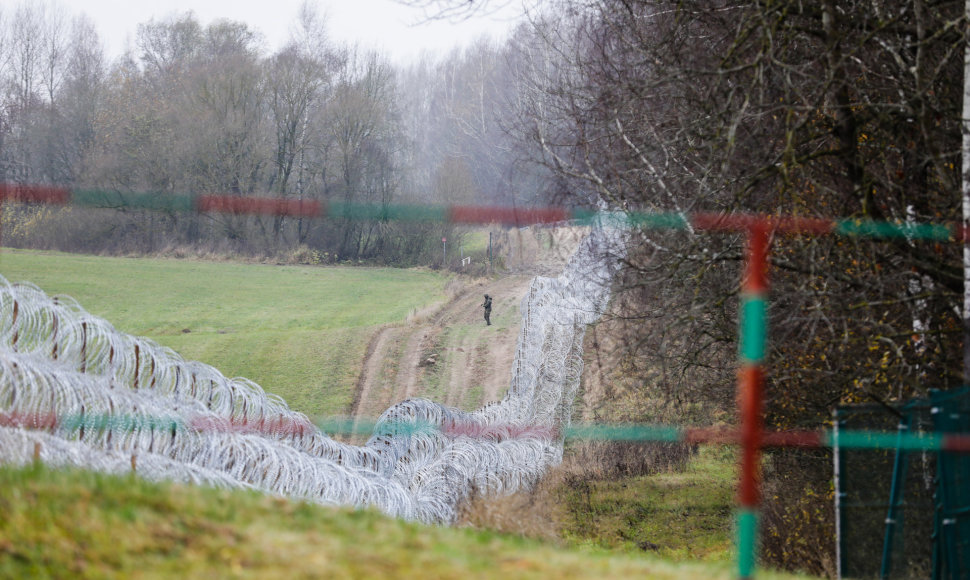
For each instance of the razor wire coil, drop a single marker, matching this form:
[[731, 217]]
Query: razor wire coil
[[94, 397]]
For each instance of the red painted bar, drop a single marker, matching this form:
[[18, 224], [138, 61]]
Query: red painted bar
[[469, 214], [960, 233], [756, 262], [727, 436], [716, 435], [750, 400], [793, 439], [34, 194], [722, 221], [275, 425], [747, 222], [956, 443], [259, 206], [29, 420]]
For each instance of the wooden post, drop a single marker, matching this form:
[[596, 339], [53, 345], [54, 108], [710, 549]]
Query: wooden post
[[54, 332], [489, 269], [84, 347], [16, 331], [134, 382]]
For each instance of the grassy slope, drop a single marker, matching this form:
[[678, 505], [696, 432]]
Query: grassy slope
[[684, 516], [299, 332], [66, 524]]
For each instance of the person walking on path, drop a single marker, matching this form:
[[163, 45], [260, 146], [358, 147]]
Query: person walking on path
[[488, 309]]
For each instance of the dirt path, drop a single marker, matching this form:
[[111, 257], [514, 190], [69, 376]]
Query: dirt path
[[448, 354]]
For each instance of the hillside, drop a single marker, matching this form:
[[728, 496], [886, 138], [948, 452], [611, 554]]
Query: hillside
[[67, 524]]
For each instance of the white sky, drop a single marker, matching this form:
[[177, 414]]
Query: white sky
[[399, 31]]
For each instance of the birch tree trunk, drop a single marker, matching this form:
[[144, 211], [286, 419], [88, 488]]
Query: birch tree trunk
[[966, 195]]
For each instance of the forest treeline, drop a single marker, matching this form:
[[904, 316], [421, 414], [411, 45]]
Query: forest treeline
[[206, 108], [848, 108]]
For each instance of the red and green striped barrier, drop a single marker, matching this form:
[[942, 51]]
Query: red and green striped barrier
[[824, 438], [468, 214]]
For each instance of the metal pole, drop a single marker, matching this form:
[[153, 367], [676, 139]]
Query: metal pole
[[753, 330], [895, 497]]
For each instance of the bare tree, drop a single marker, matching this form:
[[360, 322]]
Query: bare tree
[[299, 80], [80, 101], [830, 109], [25, 46], [364, 127]]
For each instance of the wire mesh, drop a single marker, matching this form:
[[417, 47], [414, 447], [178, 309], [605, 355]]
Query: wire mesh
[[951, 413], [886, 498]]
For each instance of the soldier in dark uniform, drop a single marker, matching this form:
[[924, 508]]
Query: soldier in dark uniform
[[488, 309]]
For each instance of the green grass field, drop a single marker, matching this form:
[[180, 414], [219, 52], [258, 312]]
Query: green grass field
[[299, 332]]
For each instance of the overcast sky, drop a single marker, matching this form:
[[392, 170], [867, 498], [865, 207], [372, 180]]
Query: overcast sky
[[399, 31]]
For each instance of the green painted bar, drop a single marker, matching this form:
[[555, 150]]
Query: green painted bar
[[873, 229], [361, 211], [405, 428], [150, 201], [659, 221], [886, 440], [612, 219], [99, 422], [347, 426], [746, 525], [754, 328], [344, 426], [584, 217], [625, 432]]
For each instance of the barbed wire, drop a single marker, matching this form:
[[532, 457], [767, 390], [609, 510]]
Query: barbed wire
[[134, 404]]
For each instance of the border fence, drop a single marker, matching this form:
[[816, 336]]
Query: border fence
[[949, 441]]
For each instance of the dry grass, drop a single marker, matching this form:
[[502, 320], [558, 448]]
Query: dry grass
[[544, 511], [610, 460], [536, 513], [665, 499]]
